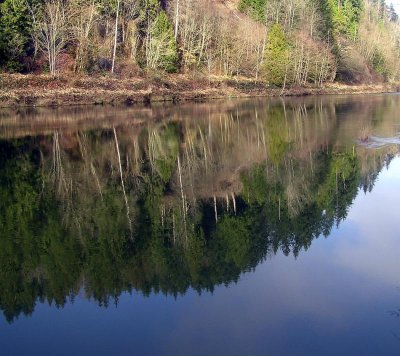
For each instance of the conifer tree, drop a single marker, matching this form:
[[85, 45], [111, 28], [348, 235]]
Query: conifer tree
[[15, 28], [276, 56], [161, 48]]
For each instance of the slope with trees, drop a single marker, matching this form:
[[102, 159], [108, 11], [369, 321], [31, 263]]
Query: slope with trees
[[277, 43]]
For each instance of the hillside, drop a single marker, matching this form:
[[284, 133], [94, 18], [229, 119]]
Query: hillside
[[279, 44]]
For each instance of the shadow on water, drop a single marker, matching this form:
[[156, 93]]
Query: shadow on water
[[163, 199]]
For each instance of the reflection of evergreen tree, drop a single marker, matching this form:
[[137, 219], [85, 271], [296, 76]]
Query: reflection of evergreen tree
[[36, 259], [335, 187], [369, 178], [52, 242]]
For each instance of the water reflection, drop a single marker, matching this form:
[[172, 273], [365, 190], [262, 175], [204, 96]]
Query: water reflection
[[170, 198]]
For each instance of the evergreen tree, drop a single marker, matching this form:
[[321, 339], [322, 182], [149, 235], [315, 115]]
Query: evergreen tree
[[163, 45], [255, 8], [15, 30], [276, 56], [346, 16]]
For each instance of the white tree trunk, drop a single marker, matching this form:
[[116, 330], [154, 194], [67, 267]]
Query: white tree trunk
[[115, 37], [177, 19]]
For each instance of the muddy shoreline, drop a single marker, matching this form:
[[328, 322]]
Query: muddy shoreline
[[41, 91]]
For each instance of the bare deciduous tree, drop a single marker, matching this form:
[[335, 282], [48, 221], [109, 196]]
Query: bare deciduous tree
[[82, 26], [52, 31]]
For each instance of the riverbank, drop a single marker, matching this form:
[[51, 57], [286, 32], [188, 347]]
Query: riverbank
[[41, 90]]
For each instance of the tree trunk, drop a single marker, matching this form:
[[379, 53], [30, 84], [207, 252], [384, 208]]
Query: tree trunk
[[177, 20], [115, 37]]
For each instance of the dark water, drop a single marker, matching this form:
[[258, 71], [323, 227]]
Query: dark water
[[233, 227]]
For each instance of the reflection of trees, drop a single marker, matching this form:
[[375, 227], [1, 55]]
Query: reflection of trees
[[206, 201]]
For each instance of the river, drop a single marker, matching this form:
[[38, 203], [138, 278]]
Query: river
[[237, 227]]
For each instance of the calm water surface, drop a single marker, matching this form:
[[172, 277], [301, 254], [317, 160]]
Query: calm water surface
[[233, 227]]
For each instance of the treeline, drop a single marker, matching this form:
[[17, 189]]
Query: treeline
[[290, 42]]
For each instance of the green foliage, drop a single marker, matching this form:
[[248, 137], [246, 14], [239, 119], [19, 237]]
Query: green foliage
[[255, 186], [340, 185], [15, 30], [346, 16], [235, 239], [255, 8], [149, 10], [326, 28], [165, 151], [276, 56], [277, 141], [107, 7], [163, 38]]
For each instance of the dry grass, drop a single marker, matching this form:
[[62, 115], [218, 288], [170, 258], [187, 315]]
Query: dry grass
[[18, 90]]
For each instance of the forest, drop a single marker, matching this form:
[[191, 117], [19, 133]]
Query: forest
[[279, 43]]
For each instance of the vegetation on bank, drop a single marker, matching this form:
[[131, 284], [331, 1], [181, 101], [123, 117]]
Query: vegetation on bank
[[281, 43], [19, 90]]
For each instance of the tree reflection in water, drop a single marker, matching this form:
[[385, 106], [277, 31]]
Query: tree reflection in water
[[190, 201]]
